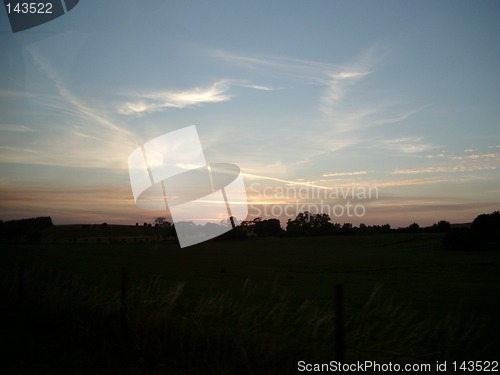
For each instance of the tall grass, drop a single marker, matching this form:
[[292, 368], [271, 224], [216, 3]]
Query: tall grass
[[244, 332]]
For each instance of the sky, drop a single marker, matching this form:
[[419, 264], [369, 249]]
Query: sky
[[371, 111]]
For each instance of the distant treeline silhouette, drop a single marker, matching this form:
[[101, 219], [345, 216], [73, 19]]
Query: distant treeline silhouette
[[483, 234], [320, 224], [30, 228]]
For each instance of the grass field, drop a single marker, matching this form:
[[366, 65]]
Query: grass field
[[254, 306]]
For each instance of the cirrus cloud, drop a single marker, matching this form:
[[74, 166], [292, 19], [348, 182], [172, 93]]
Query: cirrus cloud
[[159, 100]]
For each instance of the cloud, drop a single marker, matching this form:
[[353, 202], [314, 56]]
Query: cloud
[[476, 156], [16, 128], [336, 126], [342, 174], [408, 145], [258, 87], [342, 118], [341, 78], [159, 100], [76, 104], [347, 75], [66, 129], [146, 102], [178, 99], [337, 85], [71, 204], [19, 150], [16, 94], [467, 163], [281, 66], [432, 156], [287, 182], [413, 182], [306, 71]]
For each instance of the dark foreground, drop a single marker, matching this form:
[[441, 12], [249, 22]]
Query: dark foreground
[[244, 307]]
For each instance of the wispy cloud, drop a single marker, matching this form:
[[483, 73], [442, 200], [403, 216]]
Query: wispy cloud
[[158, 100], [337, 124], [72, 204], [488, 156], [15, 149], [309, 71], [337, 85], [466, 163], [344, 174], [16, 128], [342, 78], [305, 71], [76, 104], [408, 145], [68, 139], [381, 184], [257, 87], [218, 92], [433, 156]]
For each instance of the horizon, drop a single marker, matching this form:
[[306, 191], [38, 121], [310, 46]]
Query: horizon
[[282, 224], [323, 97]]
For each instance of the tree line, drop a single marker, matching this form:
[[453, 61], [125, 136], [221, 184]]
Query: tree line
[[31, 228], [483, 233], [320, 224]]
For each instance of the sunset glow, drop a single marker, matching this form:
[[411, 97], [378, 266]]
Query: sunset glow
[[401, 98]]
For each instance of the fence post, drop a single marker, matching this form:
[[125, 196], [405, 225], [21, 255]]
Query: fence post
[[125, 324], [20, 286], [339, 323]]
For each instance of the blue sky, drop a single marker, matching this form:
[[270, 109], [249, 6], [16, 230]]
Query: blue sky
[[401, 96]]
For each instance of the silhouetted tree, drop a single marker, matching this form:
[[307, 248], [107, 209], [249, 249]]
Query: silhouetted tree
[[441, 227], [488, 228], [484, 234], [14, 228], [414, 228], [306, 224], [248, 226], [270, 227], [487, 223], [336, 228], [237, 233], [165, 229], [347, 228], [160, 221]]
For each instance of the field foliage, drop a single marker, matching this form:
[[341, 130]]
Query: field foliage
[[256, 306]]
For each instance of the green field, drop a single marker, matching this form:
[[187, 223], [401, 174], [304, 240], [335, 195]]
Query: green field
[[224, 304]]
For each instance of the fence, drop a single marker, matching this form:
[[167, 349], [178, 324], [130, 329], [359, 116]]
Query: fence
[[340, 346]]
